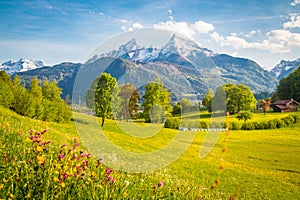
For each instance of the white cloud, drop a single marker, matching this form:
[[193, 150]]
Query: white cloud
[[294, 23], [295, 2], [137, 26], [202, 27], [189, 30], [133, 27], [170, 12], [277, 41], [124, 20]]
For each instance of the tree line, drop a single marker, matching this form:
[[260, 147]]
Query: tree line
[[42, 102]]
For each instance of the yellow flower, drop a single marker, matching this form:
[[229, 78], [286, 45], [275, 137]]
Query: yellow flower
[[56, 172], [40, 149], [58, 166], [28, 140], [55, 179], [94, 174], [62, 184], [1, 186], [5, 181], [12, 196], [65, 168], [41, 159], [28, 195]]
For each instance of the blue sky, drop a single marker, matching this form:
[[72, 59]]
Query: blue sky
[[55, 31]]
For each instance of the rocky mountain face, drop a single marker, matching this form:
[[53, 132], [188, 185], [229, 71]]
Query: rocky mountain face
[[185, 68], [284, 68], [22, 65]]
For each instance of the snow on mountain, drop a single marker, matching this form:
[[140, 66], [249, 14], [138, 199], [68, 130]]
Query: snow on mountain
[[284, 68], [22, 65]]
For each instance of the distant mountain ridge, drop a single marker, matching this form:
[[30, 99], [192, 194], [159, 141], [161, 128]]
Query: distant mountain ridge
[[22, 65], [181, 64], [284, 68]]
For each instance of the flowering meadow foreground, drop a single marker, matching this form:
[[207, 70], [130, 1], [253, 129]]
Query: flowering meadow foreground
[[42, 160]]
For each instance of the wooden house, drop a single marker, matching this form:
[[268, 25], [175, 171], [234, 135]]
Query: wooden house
[[285, 106]]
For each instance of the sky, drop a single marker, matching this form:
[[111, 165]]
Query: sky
[[56, 31]]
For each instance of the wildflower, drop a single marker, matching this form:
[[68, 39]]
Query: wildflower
[[64, 145], [160, 184], [75, 175], [62, 184], [12, 196], [39, 149], [1, 186], [142, 180], [76, 144], [55, 179], [126, 182], [111, 179], [31, 131], [108, 171], [56, 172], [61, 156], [88, 155], [217, 182], [65, 168], [94, 174], [41, 159], [75, 140], [58, 166], [66, 176], [28, 140]]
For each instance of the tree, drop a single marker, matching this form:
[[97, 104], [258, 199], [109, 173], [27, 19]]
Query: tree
[[265, 104], [186, 105], [156, 102], [238, 97], [244, 116], [130, 97], [37, 95], [106, 96], [207, 100], [6, 94], [177, 109], [289, 87]]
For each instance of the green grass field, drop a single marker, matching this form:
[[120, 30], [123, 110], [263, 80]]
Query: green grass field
[[258, 164]]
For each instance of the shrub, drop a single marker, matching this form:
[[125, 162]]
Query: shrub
[[248, 126], [173, 123], [288, 120], [203, 124], [296, 118], [235, 126]]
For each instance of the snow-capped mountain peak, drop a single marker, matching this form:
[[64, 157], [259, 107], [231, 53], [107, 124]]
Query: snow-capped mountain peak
[[129, 46], [22, 65], [284, 68]]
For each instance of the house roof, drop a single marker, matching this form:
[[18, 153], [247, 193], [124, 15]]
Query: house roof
[[284, 102]]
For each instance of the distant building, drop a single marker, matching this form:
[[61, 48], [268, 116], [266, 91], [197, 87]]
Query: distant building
[[285, 106]]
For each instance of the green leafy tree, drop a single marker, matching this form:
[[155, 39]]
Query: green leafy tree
[[23, 102], [177, 108], [244, 116], [207, 100], [130, 97], [239, 97], [6, 94], [156, 102], [186, 105], [289, 87], [35, 90], [107, 101]]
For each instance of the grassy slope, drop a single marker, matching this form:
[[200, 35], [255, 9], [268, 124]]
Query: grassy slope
[[263, 164]]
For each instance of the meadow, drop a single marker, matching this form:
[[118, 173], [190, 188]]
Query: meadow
[[256, 164]]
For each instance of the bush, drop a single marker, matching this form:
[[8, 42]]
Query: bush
[[235, 126], [296, 118], [203, 124], [172, 123], [288, 120], [248, 126]]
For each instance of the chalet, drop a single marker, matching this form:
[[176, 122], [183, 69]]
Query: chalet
[[285, 105]]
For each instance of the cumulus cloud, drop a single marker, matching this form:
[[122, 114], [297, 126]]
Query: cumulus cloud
[[137, 26], [184, 28], [294, 23], [170, 12], [132, 27], [295, 2], [277, 41]]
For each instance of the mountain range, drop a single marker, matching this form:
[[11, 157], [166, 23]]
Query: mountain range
[[187, 69]]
